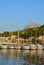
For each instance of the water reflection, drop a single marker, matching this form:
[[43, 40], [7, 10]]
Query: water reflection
[[21, 57]]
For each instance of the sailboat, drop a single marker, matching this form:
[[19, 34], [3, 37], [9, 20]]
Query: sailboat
[[25, 46], [33, 47], [4, 45], [39, 47], [18, 46], [11, 46]]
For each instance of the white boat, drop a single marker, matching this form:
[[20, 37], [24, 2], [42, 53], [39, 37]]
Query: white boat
[[25, 47], [33, 46], [11, 46], [17, 46], [39, 47], [4, 45]]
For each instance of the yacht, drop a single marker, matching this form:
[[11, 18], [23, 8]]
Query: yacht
[[25, 46], [17, 46], [4, 45], [39, 47], [33, 46], [11, 46]]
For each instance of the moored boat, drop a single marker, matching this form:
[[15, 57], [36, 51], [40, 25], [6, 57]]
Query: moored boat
[[17, 46], [11, 46], [39, 47], [4, 45], [33, 47], [25, 46]]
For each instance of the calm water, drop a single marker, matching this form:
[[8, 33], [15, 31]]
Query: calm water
[[21, 57]]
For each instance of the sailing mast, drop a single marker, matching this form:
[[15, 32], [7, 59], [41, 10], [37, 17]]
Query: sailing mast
[[18, 36]]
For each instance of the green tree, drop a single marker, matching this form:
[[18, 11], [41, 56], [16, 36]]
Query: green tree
[[6, 34]]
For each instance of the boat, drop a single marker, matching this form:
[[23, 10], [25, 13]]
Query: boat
[[4, 45], [39, 47], [11, 46], [18, 47], [25, 46], [33, 47]]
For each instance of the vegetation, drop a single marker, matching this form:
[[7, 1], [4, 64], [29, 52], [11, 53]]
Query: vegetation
[[25, 33]]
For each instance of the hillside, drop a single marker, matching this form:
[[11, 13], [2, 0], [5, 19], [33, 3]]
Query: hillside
[[32, 25]]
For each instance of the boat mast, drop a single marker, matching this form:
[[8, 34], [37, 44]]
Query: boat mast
[[18, 35]]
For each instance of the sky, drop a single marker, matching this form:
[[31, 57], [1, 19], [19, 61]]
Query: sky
[[16, 14]]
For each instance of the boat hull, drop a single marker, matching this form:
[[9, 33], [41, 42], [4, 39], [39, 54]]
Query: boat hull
[[17, 47], [25, 46]]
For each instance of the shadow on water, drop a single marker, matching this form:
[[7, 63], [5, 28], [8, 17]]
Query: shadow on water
[[21, 57]]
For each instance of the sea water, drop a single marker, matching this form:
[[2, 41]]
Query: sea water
[[21, 57]]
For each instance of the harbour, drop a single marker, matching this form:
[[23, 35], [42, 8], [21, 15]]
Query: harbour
[[21, 32]]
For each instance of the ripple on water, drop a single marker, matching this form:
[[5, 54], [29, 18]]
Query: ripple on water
[[21, 57]]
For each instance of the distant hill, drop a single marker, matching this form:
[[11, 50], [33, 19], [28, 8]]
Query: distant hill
[[32, 25]]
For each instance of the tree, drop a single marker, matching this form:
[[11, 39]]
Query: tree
[[6, 34]]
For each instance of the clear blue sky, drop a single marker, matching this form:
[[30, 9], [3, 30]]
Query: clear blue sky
[[18, 13]]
